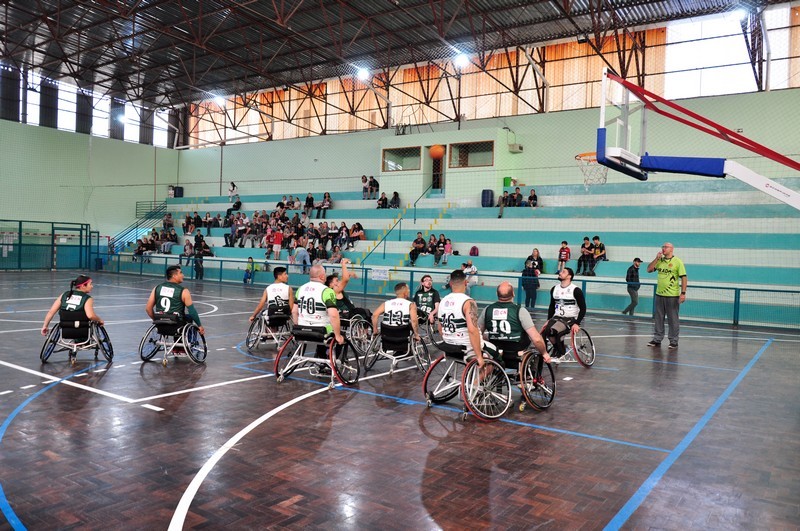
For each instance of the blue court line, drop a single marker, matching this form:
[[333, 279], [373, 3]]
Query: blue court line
[[632, 358], [650, 483], [5, 506]]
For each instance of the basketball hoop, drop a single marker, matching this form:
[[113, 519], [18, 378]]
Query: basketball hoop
[[593, 172]]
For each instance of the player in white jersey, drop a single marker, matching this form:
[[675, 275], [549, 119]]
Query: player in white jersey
[[316, 305], [567, 309], [277, 296], [458, 317], [398, 312]]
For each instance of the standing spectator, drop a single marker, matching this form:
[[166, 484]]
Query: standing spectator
[[232, 190], [235, 207], [364, 187], [309, 205], [250, 271], [417, 247], [394, 202], [533, 201], [448, 250], [632, 278], [564, 255], [669, 294], [301, 257], [586, 259], [530, 283], [538, 263], [383, 201], [374, 187], [599, 254]]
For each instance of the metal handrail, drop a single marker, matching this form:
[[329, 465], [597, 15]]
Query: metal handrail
[[418, 199], [385, 236]]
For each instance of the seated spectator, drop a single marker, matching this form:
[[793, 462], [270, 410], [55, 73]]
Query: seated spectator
[[374, 187], [235, 207], [383, 202], [139, 250], [336, 255], [438, 253], [309, 206], [504, 201], [321, 254], [333, 234], [517, 198], [394, 202], [208, 222], [197, 221], [167, 222], [586, 259], [322, 208], [430, 247], [217, 222], [364, 187], [188, 252], [472, 275], [448, 250], [289, 204], [533, 201], [356, 233], [599, 254], [170, 240], [188, 226], [417, 248], [232, 190], [344, 236]]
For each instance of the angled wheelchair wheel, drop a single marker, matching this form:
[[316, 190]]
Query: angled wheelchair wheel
[[442, 380], [288, 350], [359, 335], [487, 397], [104, 342], [538, 381], [50, 343], [433, 336], [344, 363], [583, 348], [421, 353], [195, 343], [372, 352], [254, 334], [150, 344]]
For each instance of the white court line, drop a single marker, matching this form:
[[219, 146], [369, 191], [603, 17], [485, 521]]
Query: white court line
[[6, 392], [179, 517], [210, 386], [71, 383], [699, 337], [27, 386], [154, 408]]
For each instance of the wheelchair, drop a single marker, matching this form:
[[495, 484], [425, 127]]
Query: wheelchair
[[357, 329], [343, 365], [578, 348], [397, 343], [487, 395], [527, 368], [274, 324], [174, 336], [73, 333]]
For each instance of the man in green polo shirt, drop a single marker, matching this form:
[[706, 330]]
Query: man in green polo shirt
[[670, 294]]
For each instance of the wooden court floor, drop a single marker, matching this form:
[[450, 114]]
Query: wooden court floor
[[707, 437]]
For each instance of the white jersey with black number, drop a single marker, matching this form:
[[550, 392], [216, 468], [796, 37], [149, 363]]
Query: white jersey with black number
[[453, 320], [397, 312], [565, 303], [277, 295]]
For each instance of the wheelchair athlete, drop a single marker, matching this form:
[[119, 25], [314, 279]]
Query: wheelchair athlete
[[74, 305], [399, 321], [170, 299], [316, 308], [458, 319], [510, 328], [567, 310], [279, 300], [347, 310]]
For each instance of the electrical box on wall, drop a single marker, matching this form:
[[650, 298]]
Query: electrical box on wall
[[515, 148]]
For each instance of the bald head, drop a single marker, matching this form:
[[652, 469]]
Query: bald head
[[317, 273], [505, 292]]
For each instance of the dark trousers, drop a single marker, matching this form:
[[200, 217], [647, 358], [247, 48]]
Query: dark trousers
[[530, 297], [634, 294], [667, 307]]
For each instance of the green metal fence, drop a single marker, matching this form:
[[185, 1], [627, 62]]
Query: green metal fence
[[751, 306]]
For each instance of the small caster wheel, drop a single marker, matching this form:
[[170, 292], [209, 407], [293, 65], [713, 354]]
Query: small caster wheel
[[279, 379], [95, 354], [429, 402], [330, 386], [464, 416], [164, 362], [73, 360], [521, 407]]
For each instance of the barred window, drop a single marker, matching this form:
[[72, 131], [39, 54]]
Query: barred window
[[399, 159]]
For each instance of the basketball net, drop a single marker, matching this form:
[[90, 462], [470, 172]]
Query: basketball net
[[593, 172]]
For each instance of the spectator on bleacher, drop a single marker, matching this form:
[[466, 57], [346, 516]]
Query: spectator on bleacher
[[322, 207], [243, 233], [586, 259], [167, 222], [305, 220], [312, 252], [503, 201], [150, 247], [533, 201], [188, 227], [198, 239], [235, 207], [448, 250], [472, 275], [312, 234], [232, 190], [333, 234], [309, 206], [301, 257], [417, 248], [336, 255], [231, 234], [197, 221], [217, 222], [288, 203], [321, 254], [430, 247], [599, 254], [344, 236], [170, 240], [356, 234], [564, 255], [383, 201], [255, 234], [208, 222], [139, 251], [364, 187], [249, 271], [188, 252], [374, 187], [530, 283], [438, 252], [536, 259], [324, 233], [517, 198], [394, 202], [200, 252], [277, 244]]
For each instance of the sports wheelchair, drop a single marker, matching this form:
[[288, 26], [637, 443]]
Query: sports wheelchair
[[486, 395], [397, 343], [578, 348], [175, 336], [275, 324], [75, 332], [342, 362], [527, 369], [357, 329]]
